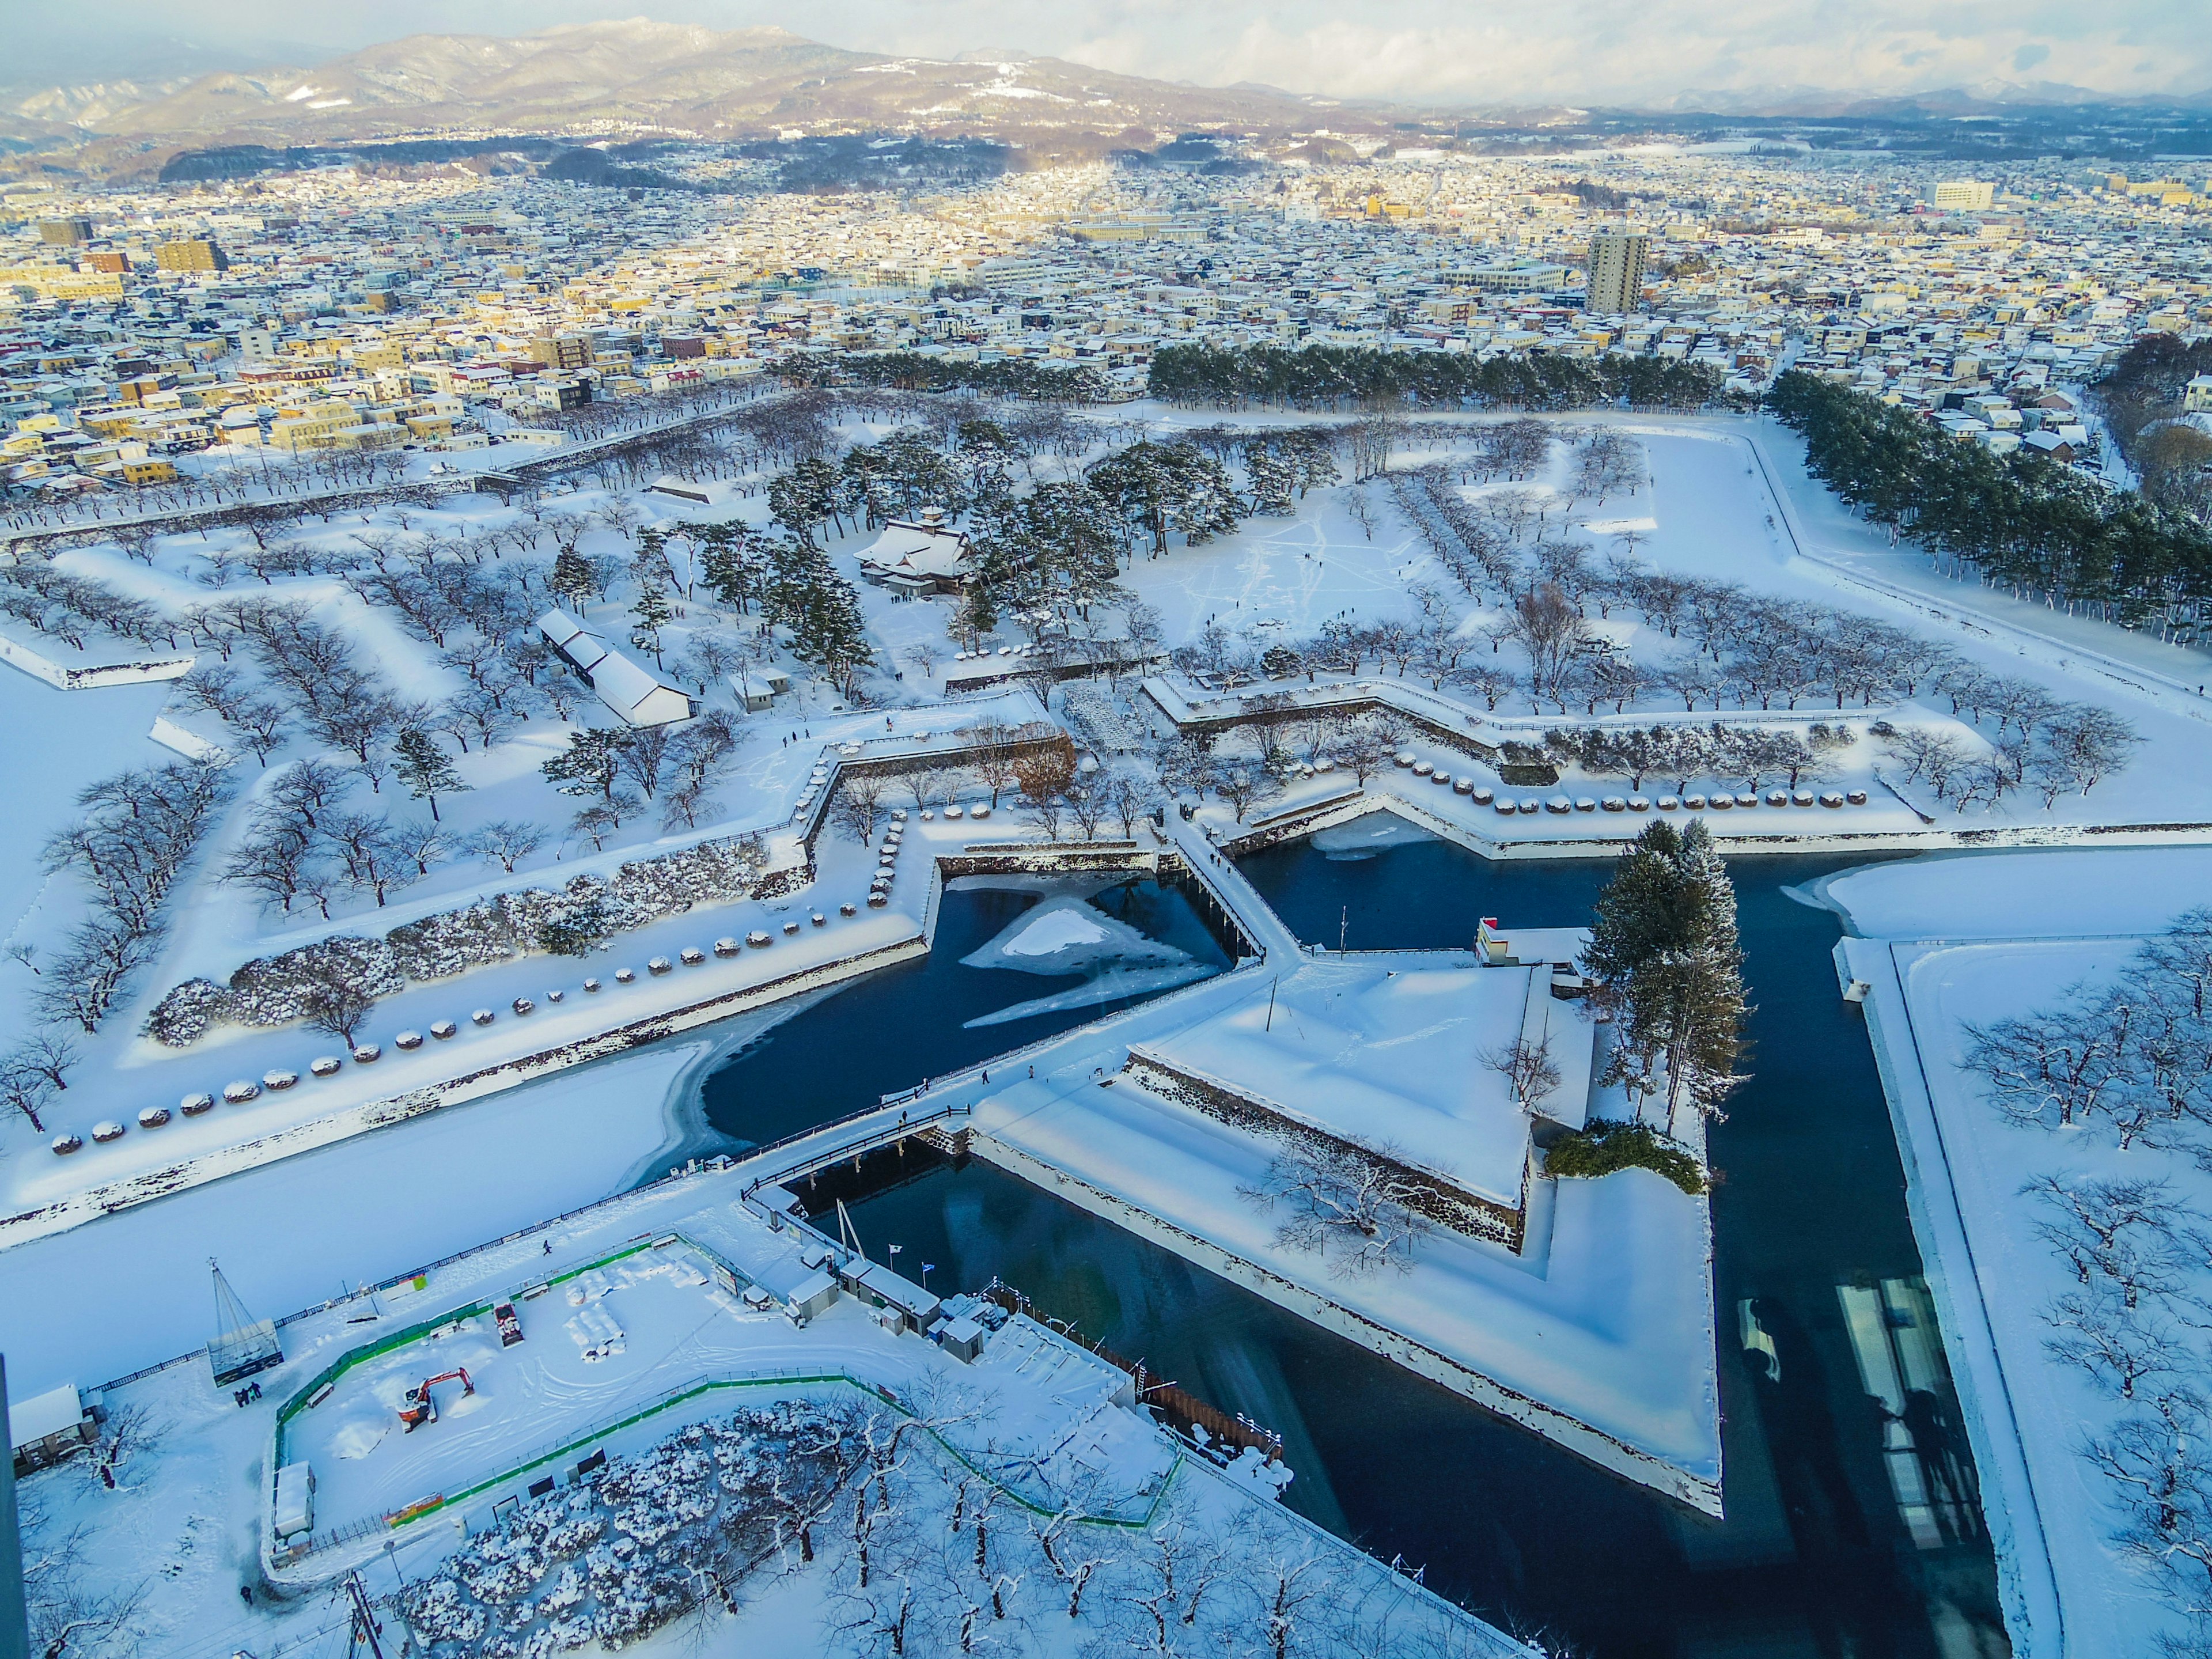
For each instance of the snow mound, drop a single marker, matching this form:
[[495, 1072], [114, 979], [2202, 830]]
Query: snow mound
[[1055, 930], [1066, 935], [358, 1439]]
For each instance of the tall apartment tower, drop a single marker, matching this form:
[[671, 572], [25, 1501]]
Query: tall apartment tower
[[66, 232], [1616, 271]]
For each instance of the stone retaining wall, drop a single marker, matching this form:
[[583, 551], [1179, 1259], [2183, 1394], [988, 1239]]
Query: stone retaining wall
[[1433, 1199]]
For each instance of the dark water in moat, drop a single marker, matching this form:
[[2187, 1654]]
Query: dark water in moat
[[893, 1029], [1826, 1551]]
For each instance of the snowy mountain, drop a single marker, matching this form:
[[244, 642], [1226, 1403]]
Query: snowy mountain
[[676, 77]]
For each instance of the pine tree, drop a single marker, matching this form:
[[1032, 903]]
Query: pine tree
[[1664, 952], [653, 611], [425, 769], [571, 578], [733, 573], [591, 763]]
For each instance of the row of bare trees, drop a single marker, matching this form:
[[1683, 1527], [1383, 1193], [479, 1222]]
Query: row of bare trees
[[2130, 1062]]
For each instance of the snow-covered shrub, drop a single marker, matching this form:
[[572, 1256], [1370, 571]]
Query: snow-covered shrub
[[272, 991], [186, 1013]]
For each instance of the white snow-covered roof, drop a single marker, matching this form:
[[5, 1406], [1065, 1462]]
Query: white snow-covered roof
[[1394, 1056], [624, 685], [57, 1411], [932, 553], [715, 493]]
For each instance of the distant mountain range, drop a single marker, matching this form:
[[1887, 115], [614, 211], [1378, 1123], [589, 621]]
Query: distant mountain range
[[649, 77], [642, 79]]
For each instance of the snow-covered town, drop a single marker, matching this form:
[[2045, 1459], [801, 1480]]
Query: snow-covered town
[[892, 887]]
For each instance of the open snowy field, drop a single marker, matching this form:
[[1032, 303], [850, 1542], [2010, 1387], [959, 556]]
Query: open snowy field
[[130, 1289], [1950, 943]]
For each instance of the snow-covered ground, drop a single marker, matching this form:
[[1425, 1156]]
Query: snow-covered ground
[[1397, 1054], [132, 1289], [1975, 939], [1035, 1420]]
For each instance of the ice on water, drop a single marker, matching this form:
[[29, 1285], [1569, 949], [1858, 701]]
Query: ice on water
[[1366, 836], [1064, 934]]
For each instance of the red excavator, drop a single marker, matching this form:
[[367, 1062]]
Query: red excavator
[[418, 1407]]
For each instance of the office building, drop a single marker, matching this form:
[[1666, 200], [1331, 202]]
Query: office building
[[1966, 195]]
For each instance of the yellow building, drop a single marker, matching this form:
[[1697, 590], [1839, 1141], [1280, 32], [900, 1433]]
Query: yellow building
[[195, 253], [317, 428]]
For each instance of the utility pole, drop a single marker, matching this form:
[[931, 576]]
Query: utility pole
[[363, 1627]]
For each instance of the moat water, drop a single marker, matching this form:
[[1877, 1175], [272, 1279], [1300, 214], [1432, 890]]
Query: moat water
[[1851, 1529]]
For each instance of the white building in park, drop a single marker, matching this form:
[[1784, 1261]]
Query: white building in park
[[925, 556], [633, 691], [1400, 1059]]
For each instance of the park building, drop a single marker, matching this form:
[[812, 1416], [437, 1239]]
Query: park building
[[1616, 271], [626, 686], [922, 557]]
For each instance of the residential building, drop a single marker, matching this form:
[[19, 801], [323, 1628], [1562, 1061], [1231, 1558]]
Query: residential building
[[195, 253], [1616, 271]]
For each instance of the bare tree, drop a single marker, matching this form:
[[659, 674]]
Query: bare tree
[[858, 806], [927, 785], [1044, 775], [503, 842], [2116, 1345], [1246, 786], [1351, 1195], [1527, 1068]]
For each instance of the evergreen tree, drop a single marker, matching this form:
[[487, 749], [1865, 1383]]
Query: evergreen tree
[[425, 769], [590, 764], [1154, 489], [653, 611], [571, 578], [734, 574], [1664, 953], [804, 497], [828, 630]]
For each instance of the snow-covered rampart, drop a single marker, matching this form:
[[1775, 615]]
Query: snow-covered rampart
[[89, 1203], [64, 678], [1598, 1447]]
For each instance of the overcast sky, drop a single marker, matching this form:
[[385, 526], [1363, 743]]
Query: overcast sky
[[1574, 51]]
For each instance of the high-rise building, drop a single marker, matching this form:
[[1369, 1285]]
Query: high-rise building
[[1966, 195], [67, 232], [196, 254], [1616, 271]]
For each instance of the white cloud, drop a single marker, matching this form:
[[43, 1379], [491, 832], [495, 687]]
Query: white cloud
[[1571, 51]]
